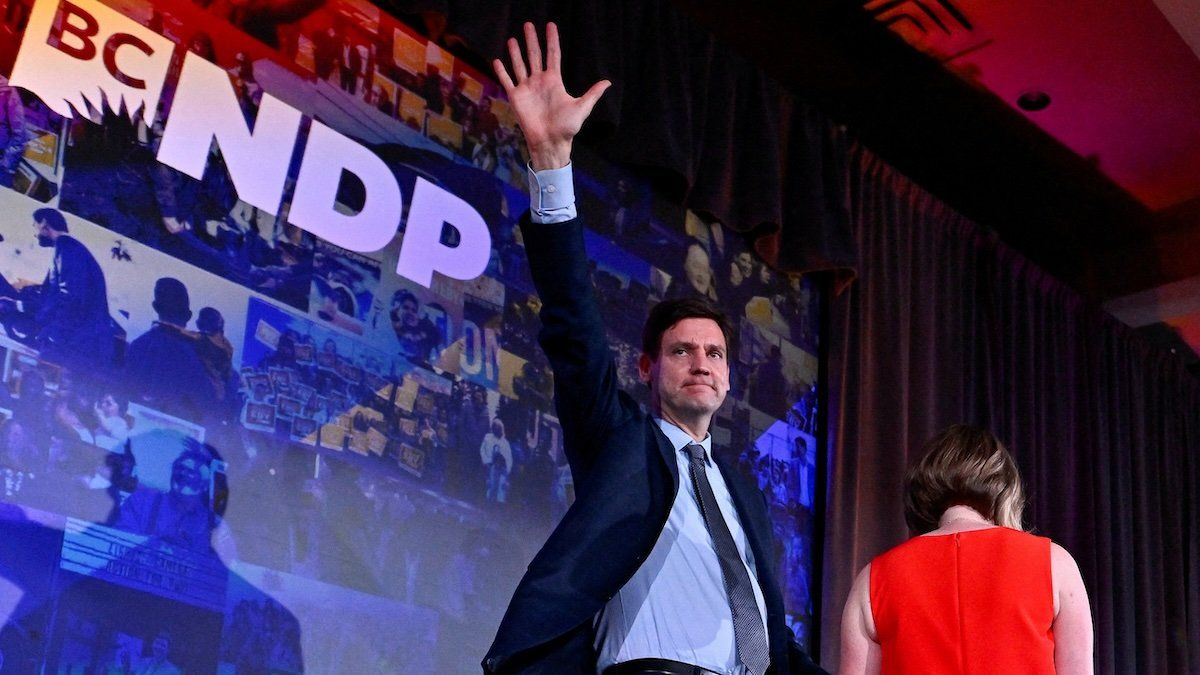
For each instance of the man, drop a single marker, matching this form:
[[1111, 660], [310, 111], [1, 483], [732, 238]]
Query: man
[[697, 278], [495, 453], [418, 336], [664, 562], [158, 663], [486, 122], [163, 365], [470, 426], [325, 52], [66, 317], [742, 284], [215, 352], [184, 514]]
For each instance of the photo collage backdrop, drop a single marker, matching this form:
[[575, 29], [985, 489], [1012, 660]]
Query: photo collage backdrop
[[230, 446]]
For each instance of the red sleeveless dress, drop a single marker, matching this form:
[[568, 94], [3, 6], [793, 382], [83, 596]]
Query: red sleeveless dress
[[974, 602]]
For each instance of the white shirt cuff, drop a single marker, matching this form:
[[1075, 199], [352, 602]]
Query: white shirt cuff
[[552, 195]]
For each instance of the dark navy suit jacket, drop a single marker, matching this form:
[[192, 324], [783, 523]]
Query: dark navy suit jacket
[[626, 479]]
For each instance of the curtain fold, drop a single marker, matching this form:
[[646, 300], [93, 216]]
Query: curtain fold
[[947, 324]]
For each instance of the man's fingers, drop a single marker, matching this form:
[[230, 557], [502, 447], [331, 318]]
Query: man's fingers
[[533, 48], [518, 61], [502, 75], [553, 52], [592, 95]]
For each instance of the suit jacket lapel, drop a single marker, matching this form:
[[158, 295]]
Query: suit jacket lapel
[[752, 513], [667, 452]]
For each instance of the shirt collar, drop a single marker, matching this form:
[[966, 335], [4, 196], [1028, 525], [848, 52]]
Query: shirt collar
[[680, 438]]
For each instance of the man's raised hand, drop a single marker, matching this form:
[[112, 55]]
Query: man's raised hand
[[548, 115]]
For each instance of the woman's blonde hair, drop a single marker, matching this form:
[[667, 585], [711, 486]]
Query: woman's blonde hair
[[963, 465]]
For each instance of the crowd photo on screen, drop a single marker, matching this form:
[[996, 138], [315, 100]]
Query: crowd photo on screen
[[229, 445]]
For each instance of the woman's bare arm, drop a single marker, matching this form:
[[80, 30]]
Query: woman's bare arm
[[1073, 636], [860, 648]]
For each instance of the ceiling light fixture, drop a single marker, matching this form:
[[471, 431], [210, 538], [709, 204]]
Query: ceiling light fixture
[[1033, 100]]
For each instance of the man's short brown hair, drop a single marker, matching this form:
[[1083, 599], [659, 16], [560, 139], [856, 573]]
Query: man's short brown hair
[[670, 312], [963, 465]]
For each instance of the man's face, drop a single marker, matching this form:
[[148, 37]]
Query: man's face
[[624, 193], [695, 266], [409, 313], [161, 647], [188, 476], [745, 263], [108, 406], [44, 237], [690, 377]]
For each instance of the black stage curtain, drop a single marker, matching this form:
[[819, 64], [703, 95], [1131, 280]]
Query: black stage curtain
[[712, 129], [947, 324]]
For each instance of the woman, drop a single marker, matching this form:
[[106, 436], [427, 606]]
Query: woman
[[698, 271], [973, 593]]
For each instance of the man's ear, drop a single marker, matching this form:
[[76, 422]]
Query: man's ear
[[644, 364]]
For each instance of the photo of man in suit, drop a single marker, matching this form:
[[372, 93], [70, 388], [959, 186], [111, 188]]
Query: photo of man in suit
[[66, 316], [663, 564]]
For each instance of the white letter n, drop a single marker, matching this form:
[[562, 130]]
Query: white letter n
[[206, 107]]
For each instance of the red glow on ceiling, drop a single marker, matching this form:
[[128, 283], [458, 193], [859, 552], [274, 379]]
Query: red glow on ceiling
[[1125, 87]]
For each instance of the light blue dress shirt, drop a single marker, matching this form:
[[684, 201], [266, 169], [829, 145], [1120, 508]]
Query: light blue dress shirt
[[675, 605]]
